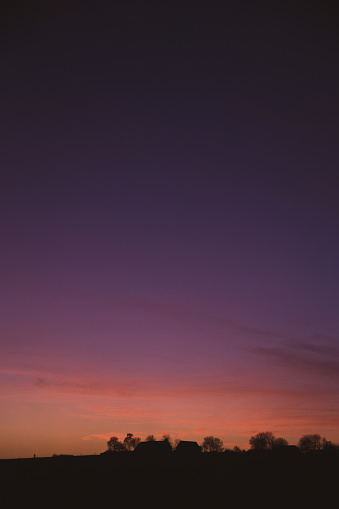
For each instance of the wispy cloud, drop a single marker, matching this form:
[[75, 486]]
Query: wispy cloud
[[101, 436], [191, 315], [317, 359]]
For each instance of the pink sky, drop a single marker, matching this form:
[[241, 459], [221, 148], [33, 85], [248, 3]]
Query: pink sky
[[169, 215], [66, 400]]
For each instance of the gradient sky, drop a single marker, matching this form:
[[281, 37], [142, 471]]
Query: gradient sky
[[169, 222]]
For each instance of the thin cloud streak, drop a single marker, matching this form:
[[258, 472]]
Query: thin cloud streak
[[151, 387], [171, 312], [189, 315], [321, 360]]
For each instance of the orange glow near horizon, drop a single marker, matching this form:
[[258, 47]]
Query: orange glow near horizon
[[65, 414], [169, 200]]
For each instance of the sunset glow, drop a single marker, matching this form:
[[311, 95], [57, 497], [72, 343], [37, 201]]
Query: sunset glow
[[169, 242]]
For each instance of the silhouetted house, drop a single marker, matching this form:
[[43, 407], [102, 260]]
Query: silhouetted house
[[287, 450], [188, 447], [153, 448]]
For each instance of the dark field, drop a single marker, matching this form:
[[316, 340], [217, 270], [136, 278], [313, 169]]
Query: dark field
[[211, 480]]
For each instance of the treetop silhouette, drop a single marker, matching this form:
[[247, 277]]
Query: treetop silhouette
[[263, 441]]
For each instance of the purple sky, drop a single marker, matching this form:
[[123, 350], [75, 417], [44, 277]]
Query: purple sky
[[169, 223]]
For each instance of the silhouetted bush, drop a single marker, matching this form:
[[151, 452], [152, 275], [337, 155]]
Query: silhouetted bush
[[212, 444], [266, 441]]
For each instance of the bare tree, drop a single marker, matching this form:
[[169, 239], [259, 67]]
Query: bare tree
[[212, 444], [266, 441], [131, 442], [150, 438], [279, 443], [328, 445], [176, 443], [308, 443], [167, 436], [115, 445], [263, 441]]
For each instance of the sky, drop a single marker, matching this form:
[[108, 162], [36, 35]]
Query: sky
[[169, 218]]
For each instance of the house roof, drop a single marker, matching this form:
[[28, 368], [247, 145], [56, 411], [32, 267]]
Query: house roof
[[154, 447], [188, 446]]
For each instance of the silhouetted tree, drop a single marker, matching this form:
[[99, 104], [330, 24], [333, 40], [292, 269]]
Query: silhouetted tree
[[308, 443], [115, 445], [279, 443], [262, 441], [266, 441], [167, 436], [212, 444], [327, 445], [150, 438], [176, 442], [131, 442]]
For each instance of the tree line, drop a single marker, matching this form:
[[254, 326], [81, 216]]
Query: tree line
[[263, 441], [266, 441]]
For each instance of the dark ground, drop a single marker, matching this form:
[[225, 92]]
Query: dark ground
[[212, 480]]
